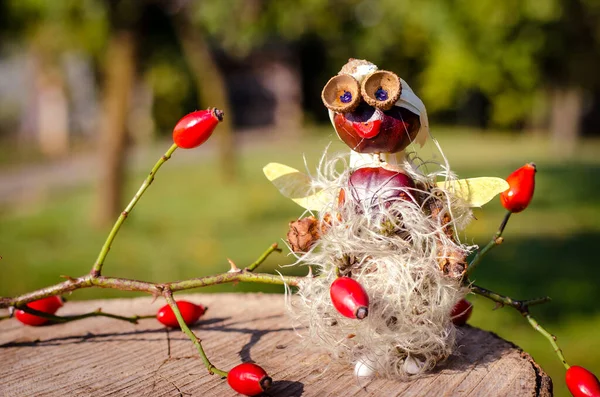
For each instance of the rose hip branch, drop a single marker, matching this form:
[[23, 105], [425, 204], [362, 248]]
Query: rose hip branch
[[39, 307]]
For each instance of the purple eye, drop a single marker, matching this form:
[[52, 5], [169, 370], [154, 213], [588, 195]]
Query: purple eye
[[381, 94], [346, 97]]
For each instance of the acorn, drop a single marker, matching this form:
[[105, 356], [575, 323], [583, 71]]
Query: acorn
[[381, 89], [341, 94]]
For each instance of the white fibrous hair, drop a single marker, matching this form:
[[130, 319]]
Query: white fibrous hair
[[395, 249]]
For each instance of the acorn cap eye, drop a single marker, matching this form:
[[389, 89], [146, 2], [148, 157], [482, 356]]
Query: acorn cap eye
[[341, 93], [381, 89]]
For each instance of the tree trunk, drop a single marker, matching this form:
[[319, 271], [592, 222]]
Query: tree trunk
[[282, 78], [119, 78], [565, 120], [210, 86], [146, 359], [141, 121], [51, 108], [538, 120]]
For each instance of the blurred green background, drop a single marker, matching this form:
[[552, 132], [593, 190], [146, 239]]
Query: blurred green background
[[89, 91]]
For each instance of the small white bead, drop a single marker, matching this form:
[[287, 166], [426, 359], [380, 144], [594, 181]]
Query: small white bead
[[364, 368], [412, 365]]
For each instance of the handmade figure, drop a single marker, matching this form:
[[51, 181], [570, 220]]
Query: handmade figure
[[382, 231]]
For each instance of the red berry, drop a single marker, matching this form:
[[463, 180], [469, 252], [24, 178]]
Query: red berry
[[349, 298], [582, 383], [522, 184], [249, 379], [461, 312], [195, 128], [47, 305], [377, 184], [189, 311]]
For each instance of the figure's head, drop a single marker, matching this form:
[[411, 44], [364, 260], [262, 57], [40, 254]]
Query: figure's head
[[372, 110]]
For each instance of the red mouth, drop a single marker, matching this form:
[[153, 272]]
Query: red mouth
[[370, 130]]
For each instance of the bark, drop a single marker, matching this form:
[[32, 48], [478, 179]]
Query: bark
[[211, 88], [283, 79], [538, 120], [51, 107], [141, 121], [119, 78], [565, 120], [120, 358]]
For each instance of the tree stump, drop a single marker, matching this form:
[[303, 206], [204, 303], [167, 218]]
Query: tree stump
[[102, 356]]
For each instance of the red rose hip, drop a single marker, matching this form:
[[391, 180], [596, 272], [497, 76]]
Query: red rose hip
[[195, 128], [522, 185], [349, 298], [189, 311], [582, 383], [47, 305], [461, 312], [249, 379]]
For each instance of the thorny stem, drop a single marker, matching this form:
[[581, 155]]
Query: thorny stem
[[522, 306], [97, 268], [168, 294], [551, 338], [263, 257], [94, 279], [242, 275], [495, 241], [96, 313], [123, 284]]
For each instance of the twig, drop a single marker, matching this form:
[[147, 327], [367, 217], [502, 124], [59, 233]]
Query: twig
[[495, 241], [522, 306], [96, 313], [97, 268], [154, 289], [95, 279], [263, 257], [168, 294], [551, 338], [243, 275]]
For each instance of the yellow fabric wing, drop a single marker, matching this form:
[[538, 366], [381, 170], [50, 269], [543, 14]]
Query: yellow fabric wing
[[475, 191], [297, 186]]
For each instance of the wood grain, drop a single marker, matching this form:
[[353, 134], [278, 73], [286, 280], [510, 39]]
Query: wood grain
[[102, 356]]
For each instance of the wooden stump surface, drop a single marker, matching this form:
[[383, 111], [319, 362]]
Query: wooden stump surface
[[102, 356]]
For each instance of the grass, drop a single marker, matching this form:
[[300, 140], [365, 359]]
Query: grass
[[189, 222]]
